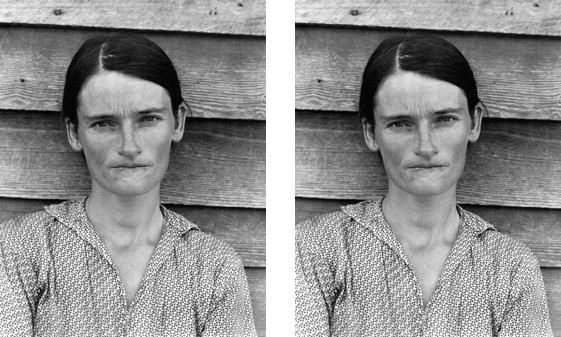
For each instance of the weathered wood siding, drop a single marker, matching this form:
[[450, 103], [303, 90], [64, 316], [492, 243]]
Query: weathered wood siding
[[513, 173], [216, 176]]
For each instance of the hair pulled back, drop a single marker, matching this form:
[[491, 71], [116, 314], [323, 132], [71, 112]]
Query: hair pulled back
[[126, 53]]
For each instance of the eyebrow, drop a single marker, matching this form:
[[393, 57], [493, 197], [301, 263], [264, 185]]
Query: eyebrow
[[449, 110], [141, 112], [404, 116], [151, 110]]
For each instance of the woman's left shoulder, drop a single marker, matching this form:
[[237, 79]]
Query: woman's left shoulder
[[196, 242], [496, 243]]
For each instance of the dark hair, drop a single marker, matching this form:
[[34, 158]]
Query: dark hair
[[126, 53], [424, 54]]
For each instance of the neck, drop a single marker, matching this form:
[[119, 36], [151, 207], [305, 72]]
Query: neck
[[125, 220], [422, 220]]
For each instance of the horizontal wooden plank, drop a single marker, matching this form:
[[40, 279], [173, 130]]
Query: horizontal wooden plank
[[512, 16], [503, 168], [518, 77], [217, 16], [257, 288], [241, 228], [218, 162], [552, 281], [538, 228], [221, 76]]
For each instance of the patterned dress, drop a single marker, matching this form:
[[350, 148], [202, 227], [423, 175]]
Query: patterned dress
[[353, 278], [57, 279]]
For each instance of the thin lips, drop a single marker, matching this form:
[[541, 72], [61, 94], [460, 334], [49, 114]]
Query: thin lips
[[129, 166], [426, 166]]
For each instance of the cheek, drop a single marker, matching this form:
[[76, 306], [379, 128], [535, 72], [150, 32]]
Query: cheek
[[161, 146], [392, 149], [92, 148], [97, 148], [457, 151]]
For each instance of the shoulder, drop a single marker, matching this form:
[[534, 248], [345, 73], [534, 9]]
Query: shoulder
[[30, 219], [502, 248], [197, 243], [26, 237], [326, 238], [350, 220], [324, 229], [325, 224], [25, 227]]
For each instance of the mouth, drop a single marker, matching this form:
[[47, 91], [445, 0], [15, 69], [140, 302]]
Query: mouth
[[127, 166], [426, 166]]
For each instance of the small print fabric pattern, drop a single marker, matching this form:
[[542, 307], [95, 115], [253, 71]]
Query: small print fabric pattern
[[353, 278], [57, 279]]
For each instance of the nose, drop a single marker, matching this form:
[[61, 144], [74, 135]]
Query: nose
[[129, 146], [426, 145]]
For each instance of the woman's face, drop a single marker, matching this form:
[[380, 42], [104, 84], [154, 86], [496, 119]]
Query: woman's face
[[125, 130], [422, 131]]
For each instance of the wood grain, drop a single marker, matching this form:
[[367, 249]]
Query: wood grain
[[538, 228], [257, 288], [518, 77], [218, 162], [241, 228], [552, 281], [512, 17], [216, 16], [221, 76], [514, 163]]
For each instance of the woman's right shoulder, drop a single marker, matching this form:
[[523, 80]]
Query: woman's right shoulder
[[26, 221], [25, 230], [323, 224], [323, 234]]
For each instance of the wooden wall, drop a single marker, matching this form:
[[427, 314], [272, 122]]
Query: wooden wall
[[216, 176], [513, 175]]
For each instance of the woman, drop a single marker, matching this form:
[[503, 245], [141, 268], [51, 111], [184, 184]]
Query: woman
[[118, 263], [414, 263]]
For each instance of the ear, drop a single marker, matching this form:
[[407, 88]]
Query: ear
[[476, 123], [369, 138], [72, 134], [179, 123]]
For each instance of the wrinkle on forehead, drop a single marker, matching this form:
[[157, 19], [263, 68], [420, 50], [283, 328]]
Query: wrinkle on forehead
[[115, 93], [408, 93]]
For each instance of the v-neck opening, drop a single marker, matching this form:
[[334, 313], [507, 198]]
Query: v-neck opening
[[153, 263], [454, 257]]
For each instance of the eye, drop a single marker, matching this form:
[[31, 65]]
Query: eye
[[100, 124], [446, 119], [397, 124], [149, 118]]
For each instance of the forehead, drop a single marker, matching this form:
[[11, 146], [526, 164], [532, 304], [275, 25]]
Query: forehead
[[412, 93], [113, 92]]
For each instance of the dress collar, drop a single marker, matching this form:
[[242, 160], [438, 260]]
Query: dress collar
[[369, 214], [72, 214]]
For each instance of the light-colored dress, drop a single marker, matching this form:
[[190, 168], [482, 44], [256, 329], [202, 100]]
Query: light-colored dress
[[353, 278], [57, 279]]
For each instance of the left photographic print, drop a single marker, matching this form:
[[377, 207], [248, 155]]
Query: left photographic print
[[132, 152]]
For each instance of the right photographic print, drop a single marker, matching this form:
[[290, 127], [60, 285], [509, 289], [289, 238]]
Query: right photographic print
[[428, 168]]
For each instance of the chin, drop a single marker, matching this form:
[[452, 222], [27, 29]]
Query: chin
[[130, 189], [429, 190]]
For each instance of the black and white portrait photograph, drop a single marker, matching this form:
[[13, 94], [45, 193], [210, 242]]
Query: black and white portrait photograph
[[428, 168], [132, 168]]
